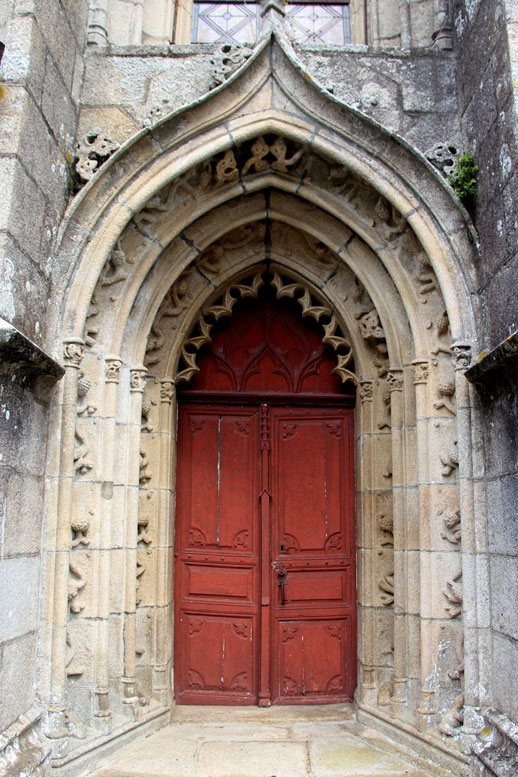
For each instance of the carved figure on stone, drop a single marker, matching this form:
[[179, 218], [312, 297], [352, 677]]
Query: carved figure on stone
[[173, 305], [386, 524], [186, 187], [80, 527], [76, 583], [257, 162], [229, 58], [91, 328], [142, 535], [226, 169], [147, 405], [83, 387], [386, 585], [114, 271], [443, 326], [426, 280], [370, 326], [91, 152], [73, 666], [453, 718], [461, 355], [452, 527], [144, 475], [140, 569], [389, 219], [453, 594], [385, 422], [366, 391], [451, 460], [82, 464], [210, 260], [446, 390]]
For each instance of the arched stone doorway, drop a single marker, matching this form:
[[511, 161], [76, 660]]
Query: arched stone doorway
[[355, 223], [265, 542]]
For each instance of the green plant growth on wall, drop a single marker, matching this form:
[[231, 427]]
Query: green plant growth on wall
[[464, 179]]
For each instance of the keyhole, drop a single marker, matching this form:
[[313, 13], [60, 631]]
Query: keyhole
[[282, 548]]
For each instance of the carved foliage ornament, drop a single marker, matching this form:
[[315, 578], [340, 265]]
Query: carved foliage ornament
[[229, 58], [91, 152]]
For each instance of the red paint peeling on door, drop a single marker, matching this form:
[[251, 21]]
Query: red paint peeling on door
[[265, 585]]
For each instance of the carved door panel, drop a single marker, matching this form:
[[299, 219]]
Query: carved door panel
[[312, 547], [217, 556], [265, 496]]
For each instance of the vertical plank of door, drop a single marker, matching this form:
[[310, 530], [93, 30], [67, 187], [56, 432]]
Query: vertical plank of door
[[265, 498]]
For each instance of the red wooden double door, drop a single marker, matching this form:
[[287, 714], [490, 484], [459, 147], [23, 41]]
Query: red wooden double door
[[265, 591], [265, 578]]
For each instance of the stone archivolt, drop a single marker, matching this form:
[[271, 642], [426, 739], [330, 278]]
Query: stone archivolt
[[286, 201]]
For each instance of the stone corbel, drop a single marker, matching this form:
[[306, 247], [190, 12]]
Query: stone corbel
[[24, 357], [490, 367]]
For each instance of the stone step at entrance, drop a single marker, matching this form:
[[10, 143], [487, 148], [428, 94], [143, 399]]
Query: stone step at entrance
[[320, 741]]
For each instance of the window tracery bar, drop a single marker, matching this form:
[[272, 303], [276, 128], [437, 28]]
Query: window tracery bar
[[225, 22], [240, 22]]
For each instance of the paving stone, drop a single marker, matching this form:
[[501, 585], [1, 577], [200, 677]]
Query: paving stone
[[348, 755]]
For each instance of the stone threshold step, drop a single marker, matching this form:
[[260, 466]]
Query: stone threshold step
[[295, 713]]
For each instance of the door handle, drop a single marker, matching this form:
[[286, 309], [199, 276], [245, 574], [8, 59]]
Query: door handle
[[282, 578]]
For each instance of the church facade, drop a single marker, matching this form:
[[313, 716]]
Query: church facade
[[259, 348]]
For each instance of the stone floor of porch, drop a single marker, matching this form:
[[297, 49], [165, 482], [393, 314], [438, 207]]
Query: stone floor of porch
[[319, 741]]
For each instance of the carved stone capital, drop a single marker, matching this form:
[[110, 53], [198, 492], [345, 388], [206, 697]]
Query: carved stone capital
[[395, 379], [461, 355], [167, 390], [73, 351], [113, 369], [421, 370], [366, 390], [138, 378]]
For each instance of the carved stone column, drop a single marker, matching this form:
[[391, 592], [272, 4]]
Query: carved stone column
[[166, 477], [366, 515], [56, 724], [138, 377], [102, 712], [395, 379]]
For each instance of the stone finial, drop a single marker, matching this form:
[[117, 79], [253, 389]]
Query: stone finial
[[273, 14]]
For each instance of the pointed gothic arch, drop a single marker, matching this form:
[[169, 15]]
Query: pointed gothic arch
[[271, 169]]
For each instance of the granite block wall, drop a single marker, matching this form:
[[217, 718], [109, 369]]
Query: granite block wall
[[40, 71], [487, 60]]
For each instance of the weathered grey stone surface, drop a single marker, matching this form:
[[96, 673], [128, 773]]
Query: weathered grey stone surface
[[357, 214]]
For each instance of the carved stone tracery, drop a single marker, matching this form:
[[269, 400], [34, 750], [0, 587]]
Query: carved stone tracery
[[283, 288]]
